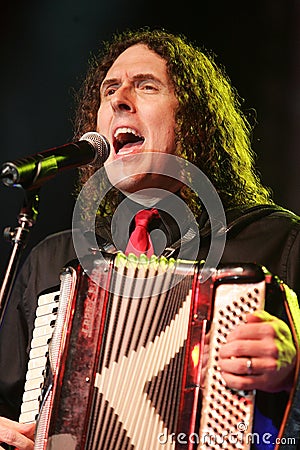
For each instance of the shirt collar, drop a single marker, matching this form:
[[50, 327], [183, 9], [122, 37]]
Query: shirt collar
[[171, 226]]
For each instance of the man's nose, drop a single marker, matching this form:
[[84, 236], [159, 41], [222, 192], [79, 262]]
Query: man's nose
[[123, 99]]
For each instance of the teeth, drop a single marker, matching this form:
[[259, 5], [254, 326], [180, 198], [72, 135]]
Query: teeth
[[125, 130]]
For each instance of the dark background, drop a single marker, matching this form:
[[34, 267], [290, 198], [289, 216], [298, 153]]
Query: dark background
[[45, 46]]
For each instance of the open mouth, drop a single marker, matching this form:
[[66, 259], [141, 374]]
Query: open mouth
[[125, 138]]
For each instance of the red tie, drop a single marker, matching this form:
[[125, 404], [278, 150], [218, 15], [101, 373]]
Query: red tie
[[140, 241]]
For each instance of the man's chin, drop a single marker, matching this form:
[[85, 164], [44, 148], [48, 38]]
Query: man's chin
[[144, 172]]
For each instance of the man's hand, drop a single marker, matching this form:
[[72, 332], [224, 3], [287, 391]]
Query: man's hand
[[259, 354], [20, 436]]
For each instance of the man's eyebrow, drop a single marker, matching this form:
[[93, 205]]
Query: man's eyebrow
[[108, 82], [145, 76], [139, 76]]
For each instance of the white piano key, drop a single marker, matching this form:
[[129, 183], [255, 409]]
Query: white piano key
[[37, 352], [42, 331], [32, 405], [33, 373], [28, 417], [40, 341], [44, 320], [34, 384], [37, 362], [45, 309], [32, 394], [52, 297]]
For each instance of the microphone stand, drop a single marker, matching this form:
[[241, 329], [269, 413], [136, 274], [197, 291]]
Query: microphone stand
[[19, 238]]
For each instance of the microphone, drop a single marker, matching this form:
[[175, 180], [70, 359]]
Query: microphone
[[32, 171]]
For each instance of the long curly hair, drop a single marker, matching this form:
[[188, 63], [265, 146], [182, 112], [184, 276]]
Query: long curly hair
[[212, 131]]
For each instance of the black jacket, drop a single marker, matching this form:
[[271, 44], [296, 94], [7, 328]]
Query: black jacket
[[267, 235]]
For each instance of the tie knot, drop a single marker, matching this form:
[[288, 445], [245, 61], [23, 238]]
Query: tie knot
[[139, 241], [145, 216]]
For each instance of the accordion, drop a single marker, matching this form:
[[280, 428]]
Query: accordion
[[125, 355]]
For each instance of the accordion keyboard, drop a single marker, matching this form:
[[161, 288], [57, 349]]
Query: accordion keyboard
[[43, 329]]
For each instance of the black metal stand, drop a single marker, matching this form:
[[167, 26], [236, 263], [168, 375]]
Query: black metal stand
[[19, 238]]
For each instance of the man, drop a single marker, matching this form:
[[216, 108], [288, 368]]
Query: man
[[153, 95]]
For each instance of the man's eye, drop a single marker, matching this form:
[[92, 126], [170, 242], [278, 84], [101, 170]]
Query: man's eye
[[148, 87], [110, 91]]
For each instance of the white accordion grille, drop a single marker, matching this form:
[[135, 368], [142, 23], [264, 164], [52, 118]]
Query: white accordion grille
[[226, 418]]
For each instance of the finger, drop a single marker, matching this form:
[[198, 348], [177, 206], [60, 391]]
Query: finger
[[256, 326], [264, 348], [246, 383], [259, 316], [240, 366], [282, 337], [246, 373], [18, 426], [267, 381], [28, 429], [252, 331]]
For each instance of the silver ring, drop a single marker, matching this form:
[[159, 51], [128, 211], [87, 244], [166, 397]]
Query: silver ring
[[249, 366]]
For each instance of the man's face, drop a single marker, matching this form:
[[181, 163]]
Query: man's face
[[137, 115]]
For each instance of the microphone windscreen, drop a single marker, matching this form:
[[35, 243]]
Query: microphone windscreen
[[100, 144]]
